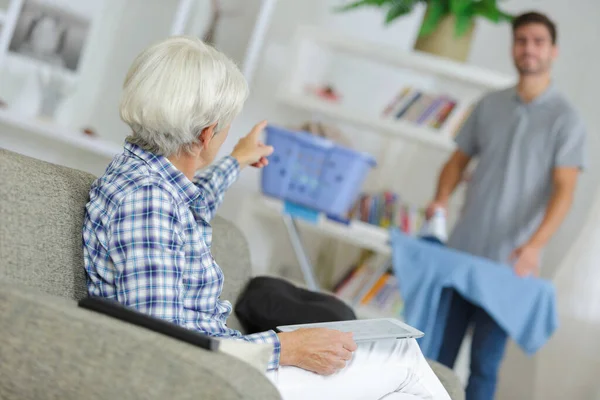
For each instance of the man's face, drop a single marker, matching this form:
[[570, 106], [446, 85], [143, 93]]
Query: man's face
[[533, 50]]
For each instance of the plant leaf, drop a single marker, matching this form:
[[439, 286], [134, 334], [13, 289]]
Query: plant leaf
[[464, 21], [458, 7], [436, 9], [489, 9], [398, 9], [362, 3]]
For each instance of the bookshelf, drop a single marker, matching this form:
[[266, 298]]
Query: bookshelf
[[356, 233], [398, 129], [314, 50]]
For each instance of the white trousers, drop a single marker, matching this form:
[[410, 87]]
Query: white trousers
[[386, 369]]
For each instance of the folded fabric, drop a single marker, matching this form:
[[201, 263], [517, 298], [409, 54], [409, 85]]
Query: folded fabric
[[524, 307]]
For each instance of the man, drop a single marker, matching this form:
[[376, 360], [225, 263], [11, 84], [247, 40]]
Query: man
[[529, 142], [147, 233]]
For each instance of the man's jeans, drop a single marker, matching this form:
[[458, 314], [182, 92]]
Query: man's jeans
[[487, 348]]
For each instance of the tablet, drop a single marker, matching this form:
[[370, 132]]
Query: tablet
[[365, 330]]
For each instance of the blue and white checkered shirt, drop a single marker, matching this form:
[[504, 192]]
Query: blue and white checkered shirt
[[147, 239]]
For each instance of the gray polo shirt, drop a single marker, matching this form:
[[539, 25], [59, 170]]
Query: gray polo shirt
[[517, 145]]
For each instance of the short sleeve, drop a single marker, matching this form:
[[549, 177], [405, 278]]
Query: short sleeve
[[570, 144], [466, 140]]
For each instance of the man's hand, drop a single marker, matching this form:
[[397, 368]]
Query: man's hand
[[323, 351], [527, 260], [250, 150]]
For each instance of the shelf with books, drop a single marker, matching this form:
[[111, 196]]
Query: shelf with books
[[399, 128], [371, 290], [441, 92], [357, 233]]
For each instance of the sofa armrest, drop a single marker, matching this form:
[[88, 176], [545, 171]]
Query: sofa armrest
[[51, 349], [449, 380]]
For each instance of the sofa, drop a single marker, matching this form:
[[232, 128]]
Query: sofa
[[51, 349]]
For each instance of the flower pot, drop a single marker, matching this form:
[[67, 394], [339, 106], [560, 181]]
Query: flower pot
[[443, 41]]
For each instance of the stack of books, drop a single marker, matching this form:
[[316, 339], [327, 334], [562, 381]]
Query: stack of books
[[383, 296], [387, 210], [421, 108]]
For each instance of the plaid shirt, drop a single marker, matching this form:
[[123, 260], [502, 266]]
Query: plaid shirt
[[147, 239]]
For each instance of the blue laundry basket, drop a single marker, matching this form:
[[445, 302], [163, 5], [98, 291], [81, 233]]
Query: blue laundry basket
[[314, 172]]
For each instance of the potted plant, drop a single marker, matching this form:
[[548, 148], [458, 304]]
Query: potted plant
[[447, 27]]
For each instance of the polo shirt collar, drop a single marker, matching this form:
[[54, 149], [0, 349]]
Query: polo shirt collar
[[160, 164], [543, 97]]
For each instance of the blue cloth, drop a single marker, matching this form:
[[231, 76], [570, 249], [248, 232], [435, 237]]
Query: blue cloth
[[524, 307], [147, 240]]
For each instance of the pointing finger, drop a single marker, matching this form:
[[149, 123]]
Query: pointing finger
[[257, 130]]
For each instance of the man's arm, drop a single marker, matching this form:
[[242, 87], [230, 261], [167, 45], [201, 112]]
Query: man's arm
[[528, 255], [451, 175], [569, 160], [565, 181]]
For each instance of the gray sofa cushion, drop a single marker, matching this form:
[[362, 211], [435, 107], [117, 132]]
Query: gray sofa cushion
[[50, 349], [41, 214], [449, 380], [230, 250]]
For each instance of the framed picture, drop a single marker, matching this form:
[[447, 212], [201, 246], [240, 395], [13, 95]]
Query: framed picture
[[50, 34]]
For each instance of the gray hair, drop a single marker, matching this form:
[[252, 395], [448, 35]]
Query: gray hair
[[176, 88]]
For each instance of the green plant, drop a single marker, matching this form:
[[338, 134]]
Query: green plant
[[465, 11]]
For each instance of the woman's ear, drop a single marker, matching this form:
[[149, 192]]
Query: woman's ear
[[206, 135]]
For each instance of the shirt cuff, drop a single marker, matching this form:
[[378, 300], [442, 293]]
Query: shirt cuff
[[272, 338]]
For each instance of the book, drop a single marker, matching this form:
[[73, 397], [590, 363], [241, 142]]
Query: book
[[418, 107], [444, 113], [432, 110], [405, 106], [355, 283], [393, 106], [375, 289]]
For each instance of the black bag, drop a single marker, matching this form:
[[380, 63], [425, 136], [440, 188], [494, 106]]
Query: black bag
[[270, 302]]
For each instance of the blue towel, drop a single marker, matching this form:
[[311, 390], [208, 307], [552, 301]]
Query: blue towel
[[524, 307]]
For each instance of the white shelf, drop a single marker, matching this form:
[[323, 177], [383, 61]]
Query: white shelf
[[398, 128], [64, 135], [422, 62], [357, 233]]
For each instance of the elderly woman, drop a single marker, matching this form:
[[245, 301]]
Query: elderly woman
[[147, 233]]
